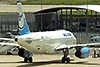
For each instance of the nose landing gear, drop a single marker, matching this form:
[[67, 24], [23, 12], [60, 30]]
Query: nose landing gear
[[65, 58]]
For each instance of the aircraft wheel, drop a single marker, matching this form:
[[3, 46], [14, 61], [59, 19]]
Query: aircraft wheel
[[9, 53], [25, 59], [63, 60], [30, 60], [68, 60]]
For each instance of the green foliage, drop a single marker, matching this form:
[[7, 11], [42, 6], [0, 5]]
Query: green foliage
[[6, 12], [80, 12], [62, 2]]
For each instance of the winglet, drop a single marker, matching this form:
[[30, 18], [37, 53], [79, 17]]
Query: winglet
[[23, 27]]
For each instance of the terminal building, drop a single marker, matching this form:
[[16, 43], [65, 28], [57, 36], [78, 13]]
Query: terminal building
[[58, 18]]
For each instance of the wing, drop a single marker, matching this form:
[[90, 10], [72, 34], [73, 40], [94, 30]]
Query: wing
[[6, 46], [6, 39], [65, 46], [8, 42]]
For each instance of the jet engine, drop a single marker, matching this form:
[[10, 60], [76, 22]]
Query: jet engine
[[26, 55], [22, 53], [83, 53]]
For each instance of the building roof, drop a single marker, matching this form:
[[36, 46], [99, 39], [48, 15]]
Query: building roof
[[83, 7]]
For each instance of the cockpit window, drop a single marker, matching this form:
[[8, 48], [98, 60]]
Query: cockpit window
[[96, 40], [91, 40]]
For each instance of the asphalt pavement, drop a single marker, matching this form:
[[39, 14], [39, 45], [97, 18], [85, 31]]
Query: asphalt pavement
[[47, 61]]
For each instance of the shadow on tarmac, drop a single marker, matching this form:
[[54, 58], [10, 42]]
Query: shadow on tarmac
[[55, 62], [48, 62], [10, 62], [43, 63], [84, 63]]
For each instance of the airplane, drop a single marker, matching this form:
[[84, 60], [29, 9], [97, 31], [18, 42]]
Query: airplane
[[94, 39], [4, 47], [49, 42], [7, 44]]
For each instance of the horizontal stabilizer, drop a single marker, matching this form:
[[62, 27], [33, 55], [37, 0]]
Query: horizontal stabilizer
[[8, 44], [7, 39]]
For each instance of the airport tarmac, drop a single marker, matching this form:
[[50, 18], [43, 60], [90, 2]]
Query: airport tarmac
[[47, 61]]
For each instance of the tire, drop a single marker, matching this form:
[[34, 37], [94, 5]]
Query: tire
[[8, 53], [25, 59], [30, 60], [63, 60], [68, 60]]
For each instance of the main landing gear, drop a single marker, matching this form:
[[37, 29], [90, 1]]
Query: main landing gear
[[28, 57], [65, 58], [26, 60]]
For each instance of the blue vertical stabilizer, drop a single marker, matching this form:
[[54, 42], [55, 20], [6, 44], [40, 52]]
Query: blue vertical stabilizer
[[23, 27]]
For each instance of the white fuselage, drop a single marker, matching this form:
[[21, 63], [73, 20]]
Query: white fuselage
[[46, 42]]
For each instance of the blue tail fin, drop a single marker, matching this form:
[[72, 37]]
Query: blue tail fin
[[23, 27]]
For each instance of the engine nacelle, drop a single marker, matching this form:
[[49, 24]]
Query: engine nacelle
[[21, 53], [83, 53], [24, 53]]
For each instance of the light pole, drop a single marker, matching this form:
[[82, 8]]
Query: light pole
[[87, 18], [0, 21], [41, 15]]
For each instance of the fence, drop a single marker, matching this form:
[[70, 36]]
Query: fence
[[84, 37]]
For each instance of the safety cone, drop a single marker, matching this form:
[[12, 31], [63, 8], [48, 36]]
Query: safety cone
[[92, 56], [70, 55]]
